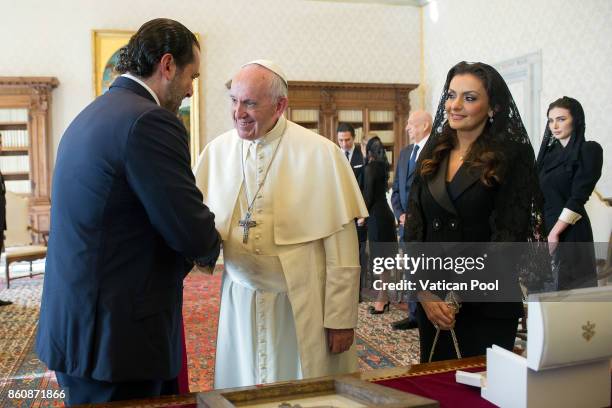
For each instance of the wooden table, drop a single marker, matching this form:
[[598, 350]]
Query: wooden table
[[189, 400]]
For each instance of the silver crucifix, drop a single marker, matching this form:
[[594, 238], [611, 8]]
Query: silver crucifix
[[246, 224]]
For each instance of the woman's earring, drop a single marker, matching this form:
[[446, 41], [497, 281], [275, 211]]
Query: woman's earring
[[444, 120], [490, 119]]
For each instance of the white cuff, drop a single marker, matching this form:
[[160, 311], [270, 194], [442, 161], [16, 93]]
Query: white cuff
[[569, 216]]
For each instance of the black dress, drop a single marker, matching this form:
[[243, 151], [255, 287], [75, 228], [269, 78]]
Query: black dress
[[567, 184], [466, 210], [358, 169], [381, 222]]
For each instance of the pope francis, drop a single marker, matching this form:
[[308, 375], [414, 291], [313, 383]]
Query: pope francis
[[285, 200]]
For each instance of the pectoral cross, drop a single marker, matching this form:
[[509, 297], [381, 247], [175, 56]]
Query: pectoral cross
[[246, 224]]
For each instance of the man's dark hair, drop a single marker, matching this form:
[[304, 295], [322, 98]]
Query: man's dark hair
[[154, 39], [346, 127]]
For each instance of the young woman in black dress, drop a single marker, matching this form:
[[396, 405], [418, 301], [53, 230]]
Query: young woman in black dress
[[476, 182], [569, 168], [381, 222]]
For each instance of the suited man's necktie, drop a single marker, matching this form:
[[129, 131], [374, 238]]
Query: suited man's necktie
[[412, 161], [346, 153]]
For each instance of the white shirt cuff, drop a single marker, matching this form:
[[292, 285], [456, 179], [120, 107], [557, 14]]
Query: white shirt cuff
[[569, 216]]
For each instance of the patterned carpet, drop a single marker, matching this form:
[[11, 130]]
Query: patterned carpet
[[200, 313], [378, 346], [20, 369]]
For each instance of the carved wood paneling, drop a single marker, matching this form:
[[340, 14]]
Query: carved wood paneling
[[329, 97], [34, 94]]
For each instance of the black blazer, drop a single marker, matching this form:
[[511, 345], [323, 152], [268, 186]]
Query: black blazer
[[570, 187], [470, 211], [357, 164], [402, 182], [125, 218], [456, 212], [466, 210]]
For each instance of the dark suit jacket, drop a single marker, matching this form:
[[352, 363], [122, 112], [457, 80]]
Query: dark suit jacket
[[465, 210], [569, 186], [125, 217], [358, 166], [402, 182]]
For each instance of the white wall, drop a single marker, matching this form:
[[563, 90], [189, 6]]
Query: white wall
[[574, 38], [311, 40]]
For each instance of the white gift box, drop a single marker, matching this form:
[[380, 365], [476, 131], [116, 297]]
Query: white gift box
[[569, 346]]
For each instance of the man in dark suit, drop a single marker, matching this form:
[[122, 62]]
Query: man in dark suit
[[2, 218], [345, 133], [418, 128], [346, 140], [127, 224]]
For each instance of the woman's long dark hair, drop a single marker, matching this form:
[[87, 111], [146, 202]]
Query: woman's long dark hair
[[375, 151], [504, 155], [485, 155], [571, 153]]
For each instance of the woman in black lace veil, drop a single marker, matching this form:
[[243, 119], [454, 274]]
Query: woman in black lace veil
[[476, 182], [381, 222], [569, 167]]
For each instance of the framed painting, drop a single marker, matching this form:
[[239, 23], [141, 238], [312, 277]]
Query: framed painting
[[106, 46]]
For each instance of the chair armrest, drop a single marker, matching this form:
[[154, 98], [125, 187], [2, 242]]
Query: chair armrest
[[43, 234]]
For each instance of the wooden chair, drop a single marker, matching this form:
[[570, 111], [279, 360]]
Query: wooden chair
[[19, 245]]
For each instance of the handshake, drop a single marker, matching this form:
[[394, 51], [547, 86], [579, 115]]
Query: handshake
[[207, 263]]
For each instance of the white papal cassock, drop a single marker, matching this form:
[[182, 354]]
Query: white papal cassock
[[298, 273]]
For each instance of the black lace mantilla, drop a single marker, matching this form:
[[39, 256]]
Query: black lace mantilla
[[518, 210]]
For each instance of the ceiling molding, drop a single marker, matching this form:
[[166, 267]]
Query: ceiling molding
[[412, 3]]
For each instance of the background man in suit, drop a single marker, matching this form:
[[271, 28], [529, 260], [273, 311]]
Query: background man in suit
[[345, 134], [127, 222], [2, 217], [418, 128], [346, 141]]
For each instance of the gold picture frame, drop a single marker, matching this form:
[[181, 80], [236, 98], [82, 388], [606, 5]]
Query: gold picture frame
[[340, 391], [105, 47]]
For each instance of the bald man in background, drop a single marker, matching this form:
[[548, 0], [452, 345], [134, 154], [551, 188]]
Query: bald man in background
[[418, 128]]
